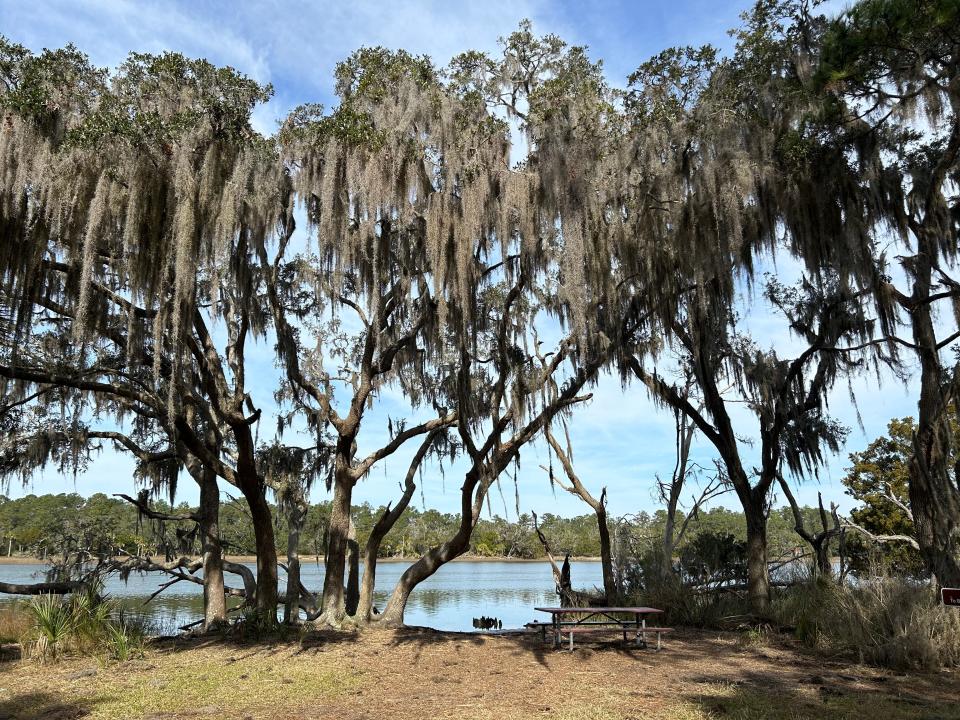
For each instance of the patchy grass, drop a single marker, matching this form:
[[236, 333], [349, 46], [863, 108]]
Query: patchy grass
[[735, 700], [419, 675], [239, 682]]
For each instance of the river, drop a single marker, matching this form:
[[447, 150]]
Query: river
[[457, 593]]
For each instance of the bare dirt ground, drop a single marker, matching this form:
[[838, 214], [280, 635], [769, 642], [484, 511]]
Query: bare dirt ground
[[426, 675]]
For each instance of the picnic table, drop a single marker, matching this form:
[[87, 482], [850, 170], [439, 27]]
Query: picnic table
[[600, 619]]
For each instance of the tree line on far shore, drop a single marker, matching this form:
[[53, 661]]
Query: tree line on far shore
[[44, 526]]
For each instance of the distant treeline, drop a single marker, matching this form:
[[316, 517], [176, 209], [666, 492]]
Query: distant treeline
[[46, 525]]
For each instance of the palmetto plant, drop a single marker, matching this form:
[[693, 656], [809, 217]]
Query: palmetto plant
[[53, 624]]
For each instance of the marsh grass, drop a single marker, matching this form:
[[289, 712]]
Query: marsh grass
[[882, 621], [15, 625]]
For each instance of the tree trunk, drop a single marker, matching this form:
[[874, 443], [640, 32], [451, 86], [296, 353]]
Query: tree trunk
[[438, 556], [821, 550], [214, 600], [935, 503], [266, 547], [934, 493], [352, 598], [334, 605], [295, 518], [606, 562], [384, 525], [367, 586], [422, 569], [44, 588], [668, 544], [758, 571]]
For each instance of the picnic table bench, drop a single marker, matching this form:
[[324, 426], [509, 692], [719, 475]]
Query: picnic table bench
[[598, 620]]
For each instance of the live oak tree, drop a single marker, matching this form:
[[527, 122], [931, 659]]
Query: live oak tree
[[787, 396], [893, 68], [861, 114], [400, 183], [505, 391], [131, 206]]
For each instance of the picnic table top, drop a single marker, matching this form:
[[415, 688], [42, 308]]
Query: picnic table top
[[633, 610]]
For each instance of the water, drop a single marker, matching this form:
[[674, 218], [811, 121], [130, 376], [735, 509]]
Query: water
[[457, 593]]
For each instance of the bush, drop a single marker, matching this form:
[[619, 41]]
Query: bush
[[884, 621], [83, 623]]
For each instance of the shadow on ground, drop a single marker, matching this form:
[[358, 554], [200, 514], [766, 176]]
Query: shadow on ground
[[40, 706]]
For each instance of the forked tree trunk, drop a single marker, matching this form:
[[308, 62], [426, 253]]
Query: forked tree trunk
[[214, 600]]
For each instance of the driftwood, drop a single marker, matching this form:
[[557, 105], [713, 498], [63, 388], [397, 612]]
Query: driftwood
[[43, 588]]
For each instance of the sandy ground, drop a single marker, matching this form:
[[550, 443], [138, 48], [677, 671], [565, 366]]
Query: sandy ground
[[428, 675]]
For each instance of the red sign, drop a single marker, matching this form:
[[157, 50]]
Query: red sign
[[951, 596]]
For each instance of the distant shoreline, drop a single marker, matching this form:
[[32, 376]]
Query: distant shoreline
[[20, 560]]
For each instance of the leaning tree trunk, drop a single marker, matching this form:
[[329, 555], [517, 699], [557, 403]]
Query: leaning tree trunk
[[214, 600], [372, 550], [437, 557], [43, 588], [427, 565]]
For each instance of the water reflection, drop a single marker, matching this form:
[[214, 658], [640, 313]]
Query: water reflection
[[449, 600]]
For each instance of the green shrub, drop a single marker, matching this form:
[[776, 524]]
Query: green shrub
[[53, 624], [85, 624]]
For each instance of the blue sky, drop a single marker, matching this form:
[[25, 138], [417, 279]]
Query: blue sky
[[620, 439]]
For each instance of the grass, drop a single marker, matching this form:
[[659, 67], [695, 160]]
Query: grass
[[410, 675], [14, 624], [195, 682], [737, 702], [883, 621]]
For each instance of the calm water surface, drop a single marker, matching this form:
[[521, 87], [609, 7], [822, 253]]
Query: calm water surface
[[457, 593]]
